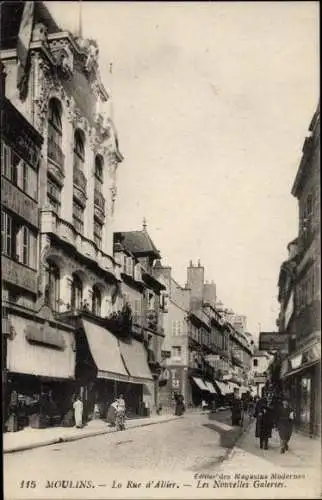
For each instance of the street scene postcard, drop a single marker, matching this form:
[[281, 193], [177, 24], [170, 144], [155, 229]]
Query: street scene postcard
[[160, 250]]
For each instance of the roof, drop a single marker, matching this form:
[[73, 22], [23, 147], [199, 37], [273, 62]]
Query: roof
[[138, 243], [11, 13]]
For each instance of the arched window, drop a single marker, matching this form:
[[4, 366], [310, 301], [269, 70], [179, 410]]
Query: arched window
[[55, 132], [79, 154], [96, 301], [52, 290], [77, 293]]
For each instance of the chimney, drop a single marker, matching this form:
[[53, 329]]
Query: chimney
[[195, 281], [190, 264], [199, 265]]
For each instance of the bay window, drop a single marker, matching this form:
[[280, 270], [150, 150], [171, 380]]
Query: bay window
[[19, 172]]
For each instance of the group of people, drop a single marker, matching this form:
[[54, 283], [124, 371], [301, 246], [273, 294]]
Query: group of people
[[270, 412]]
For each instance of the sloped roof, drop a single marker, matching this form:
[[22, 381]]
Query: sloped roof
[[11, 14], [138, 243]]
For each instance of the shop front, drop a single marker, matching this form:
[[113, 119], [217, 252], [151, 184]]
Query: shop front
[[302, 383], [40, 372], [107, 367]]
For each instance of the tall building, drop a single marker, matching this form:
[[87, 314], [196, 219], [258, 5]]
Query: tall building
[[70, 278], [299, 291], [142, 291]]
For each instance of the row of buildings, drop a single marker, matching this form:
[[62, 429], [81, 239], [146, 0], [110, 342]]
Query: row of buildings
[[298, 363], [87, 310]]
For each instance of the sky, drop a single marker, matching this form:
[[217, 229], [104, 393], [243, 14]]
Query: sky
[[212, 102]]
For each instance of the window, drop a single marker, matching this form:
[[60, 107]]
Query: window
[[129, 266], [6, 234], [53, 195], [176, 351], [98, 171], [96, 301], [78, 217], [77, 293], [255, 362], [98, 231], [52, 290], [79, 154], [55, 132], [137, 310], [19, 172], [18, 241]]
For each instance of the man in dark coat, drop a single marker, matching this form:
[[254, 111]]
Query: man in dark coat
[[285, 424], [264, 422], [236, 408]]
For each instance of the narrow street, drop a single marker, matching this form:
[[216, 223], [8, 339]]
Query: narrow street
[[185, 454]]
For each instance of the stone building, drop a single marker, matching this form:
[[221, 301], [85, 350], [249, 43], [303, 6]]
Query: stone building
[[55, 85], [143, 293], [300, 294]]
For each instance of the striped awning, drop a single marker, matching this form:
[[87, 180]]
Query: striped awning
[[200, 383], [223, 387], [210, 386]]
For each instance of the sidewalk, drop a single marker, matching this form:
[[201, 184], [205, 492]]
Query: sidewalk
[[29, 438]]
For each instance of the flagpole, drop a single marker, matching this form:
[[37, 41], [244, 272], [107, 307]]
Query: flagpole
[[80, 24]]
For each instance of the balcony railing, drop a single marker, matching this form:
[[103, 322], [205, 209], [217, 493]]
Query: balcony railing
[[99, 200], [55, 153], [80, 180]]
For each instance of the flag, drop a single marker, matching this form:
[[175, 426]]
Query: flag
[[23, 44]]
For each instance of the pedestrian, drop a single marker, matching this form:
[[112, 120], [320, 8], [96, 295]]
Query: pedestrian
[[111, 413], [78, 412], [120, 413], [203, 405], [285, 420], [236, 408], [179, 405], [263, 414]]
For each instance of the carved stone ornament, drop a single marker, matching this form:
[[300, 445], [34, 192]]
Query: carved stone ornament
[[39, 34], [92, 56], [64, 61], [77, 119], [47, 86]]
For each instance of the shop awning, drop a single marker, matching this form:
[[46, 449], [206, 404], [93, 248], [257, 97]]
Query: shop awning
[[301, 360], [43, 350], [210, 386], [223, 387], [200, 383], [135, 358], [106, 353]]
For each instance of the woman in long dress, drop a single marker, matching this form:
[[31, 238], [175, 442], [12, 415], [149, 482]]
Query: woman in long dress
[[78, 412]]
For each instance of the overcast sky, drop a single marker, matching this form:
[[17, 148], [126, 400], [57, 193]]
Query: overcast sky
[[212, 102]]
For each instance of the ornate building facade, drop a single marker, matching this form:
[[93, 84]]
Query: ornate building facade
[[55, 85]]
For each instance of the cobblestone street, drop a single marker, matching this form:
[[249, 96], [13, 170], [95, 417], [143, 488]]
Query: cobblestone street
[[177, 452]]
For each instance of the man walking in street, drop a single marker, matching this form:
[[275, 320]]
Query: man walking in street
[[236, 408], [78, 412], [285, 420]]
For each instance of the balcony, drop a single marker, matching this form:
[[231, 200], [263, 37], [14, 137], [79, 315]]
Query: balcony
[[17, 274], [99, 205], [56, 161], [80, 185], [65, 231]]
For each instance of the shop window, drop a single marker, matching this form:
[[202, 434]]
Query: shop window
[[52, 291], [54, 149], [18, 241], [76, 293], [78, 217], [96, 301]]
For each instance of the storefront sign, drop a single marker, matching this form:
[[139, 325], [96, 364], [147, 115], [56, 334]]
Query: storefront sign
[[272, 341], [18, 202], [19, 275]]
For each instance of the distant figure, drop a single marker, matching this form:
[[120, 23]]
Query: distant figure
[[236, 409], [111, 413], [263, 414], [120, 413], [179, 405], [78, 412], [203, 405], [285, 420], [121, 403]]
